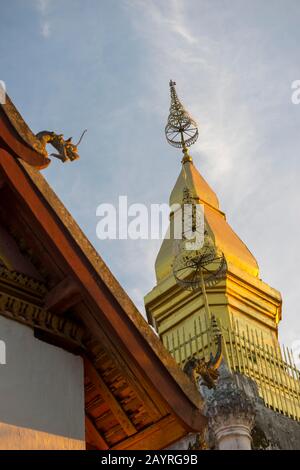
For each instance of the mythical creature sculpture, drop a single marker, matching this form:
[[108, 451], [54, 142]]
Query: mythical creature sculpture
[[66, 150], [208, 371], [200, 442]]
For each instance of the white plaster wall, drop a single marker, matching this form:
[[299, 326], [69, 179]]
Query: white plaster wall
[[41, 393]]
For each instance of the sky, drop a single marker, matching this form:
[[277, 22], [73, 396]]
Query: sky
[[105, 65]]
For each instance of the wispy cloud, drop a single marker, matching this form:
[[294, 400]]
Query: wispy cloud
[[42, 7], [178, 22], [45, 29], [168, 16]]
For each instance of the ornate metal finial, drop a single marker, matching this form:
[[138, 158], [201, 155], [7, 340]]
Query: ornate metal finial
[[181, 130]]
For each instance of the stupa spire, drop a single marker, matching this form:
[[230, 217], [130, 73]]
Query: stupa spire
[[181, 130]]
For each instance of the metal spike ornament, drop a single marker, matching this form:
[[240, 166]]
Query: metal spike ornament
[[200, 268], [181, 130], [195, 270]]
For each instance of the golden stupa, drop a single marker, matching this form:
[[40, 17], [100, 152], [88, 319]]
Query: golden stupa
[[241, 296]]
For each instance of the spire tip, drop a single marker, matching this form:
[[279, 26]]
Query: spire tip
[[181, 130]]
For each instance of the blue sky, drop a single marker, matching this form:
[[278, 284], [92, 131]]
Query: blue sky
[[105, 66]]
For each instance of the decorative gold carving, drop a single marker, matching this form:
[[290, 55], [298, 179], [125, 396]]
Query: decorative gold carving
[[208, 371], [21, 298], [21, 280], [36, 317], [65, 148]]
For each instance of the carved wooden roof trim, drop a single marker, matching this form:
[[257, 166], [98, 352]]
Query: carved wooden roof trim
[[19, 138]]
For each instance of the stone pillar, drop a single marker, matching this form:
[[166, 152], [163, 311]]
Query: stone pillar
[[231, 415], [231, 435]]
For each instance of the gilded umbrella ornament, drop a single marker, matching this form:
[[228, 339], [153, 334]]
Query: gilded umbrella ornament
[[181, 130]]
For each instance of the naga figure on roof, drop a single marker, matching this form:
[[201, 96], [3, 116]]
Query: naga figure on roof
[[208, 371], [66, 150]]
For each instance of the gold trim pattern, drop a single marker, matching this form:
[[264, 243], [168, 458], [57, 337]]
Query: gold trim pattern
[[21, 299], [36, 317]]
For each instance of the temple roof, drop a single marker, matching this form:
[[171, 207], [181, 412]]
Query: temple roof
[[147, 400]]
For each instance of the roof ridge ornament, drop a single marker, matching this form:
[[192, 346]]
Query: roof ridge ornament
[[65, 148], [181, 130]]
